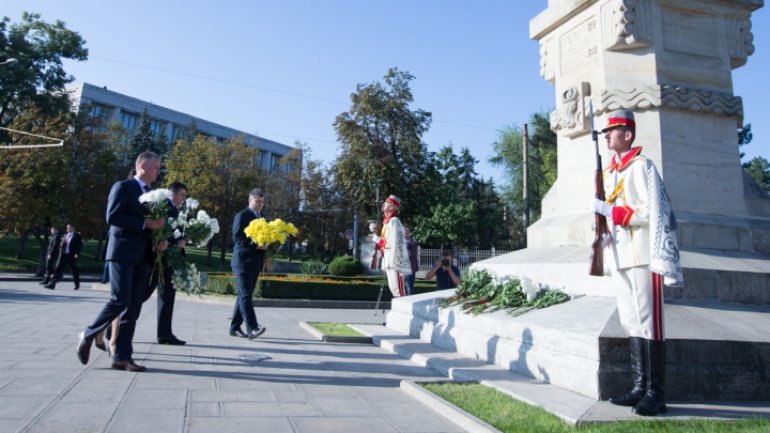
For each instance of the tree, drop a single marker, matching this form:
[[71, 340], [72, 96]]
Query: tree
[[744, 137], [53, 186], [381, 140], [38, 78], [219, 175], [759, 170], [541, 168]]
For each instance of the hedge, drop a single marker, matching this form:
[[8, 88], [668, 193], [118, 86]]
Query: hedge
[[275, 287]]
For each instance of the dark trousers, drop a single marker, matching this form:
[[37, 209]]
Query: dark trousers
[[245, 282], [128, 284], [50, 269], [72, 262], [166, 297]]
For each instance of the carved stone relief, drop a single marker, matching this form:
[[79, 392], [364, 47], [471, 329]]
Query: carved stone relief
[[570, 117], [740, 40], [626, 24], [677, 97], [547, 70]]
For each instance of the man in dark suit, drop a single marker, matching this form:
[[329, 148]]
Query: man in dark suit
[[247, 262], [127, 252], [167, 291], [70, 248], [52, 256]]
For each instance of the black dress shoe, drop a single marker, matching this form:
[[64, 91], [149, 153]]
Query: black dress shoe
[[77, 287], [238, 333], [254, 333], [44, 282], [129, 365], [172, 340], [50, 286], [84, 349]]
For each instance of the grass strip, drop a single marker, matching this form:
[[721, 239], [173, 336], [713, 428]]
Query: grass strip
[[512, 416], [335, 329]]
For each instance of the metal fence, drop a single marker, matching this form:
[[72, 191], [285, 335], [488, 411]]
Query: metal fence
[[460, 258]]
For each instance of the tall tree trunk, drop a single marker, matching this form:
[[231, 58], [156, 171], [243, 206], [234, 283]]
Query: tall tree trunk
[[22, 244]]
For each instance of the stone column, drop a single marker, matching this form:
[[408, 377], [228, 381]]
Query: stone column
[[671, 62]]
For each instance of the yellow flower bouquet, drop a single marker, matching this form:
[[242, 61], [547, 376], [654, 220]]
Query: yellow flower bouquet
[[276, 231]]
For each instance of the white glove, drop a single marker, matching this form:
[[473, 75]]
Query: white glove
[[372, 227], [376, 239], [601, 208]]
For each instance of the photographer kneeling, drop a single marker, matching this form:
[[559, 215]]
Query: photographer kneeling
[[447, 275]]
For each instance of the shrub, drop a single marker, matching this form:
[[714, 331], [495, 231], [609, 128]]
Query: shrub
[[346, 266], [314, 268]]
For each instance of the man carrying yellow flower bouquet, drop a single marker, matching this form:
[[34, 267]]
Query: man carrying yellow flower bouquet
[[247, 261]]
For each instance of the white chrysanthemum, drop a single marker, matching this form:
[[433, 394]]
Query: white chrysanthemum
[[177, 234], [155, 196], [529, 288], [203, 216], [214, 225], [191, 203]]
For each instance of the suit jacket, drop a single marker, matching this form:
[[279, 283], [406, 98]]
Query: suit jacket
[[53, 246], [246, 255], [128, 241], [76, 243]]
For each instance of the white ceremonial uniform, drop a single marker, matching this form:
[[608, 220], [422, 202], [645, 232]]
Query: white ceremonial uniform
[[643, 248], [395, 258]]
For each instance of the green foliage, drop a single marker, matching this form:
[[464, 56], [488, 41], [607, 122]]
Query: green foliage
[[346, 266], [759, 170], [513, 416], [541, 167], [478, 292], [744, 136], [314, 268], [38, 78], [335, 329], [382, 144]]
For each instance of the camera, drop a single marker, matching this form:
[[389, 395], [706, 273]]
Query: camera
[[444, 262]]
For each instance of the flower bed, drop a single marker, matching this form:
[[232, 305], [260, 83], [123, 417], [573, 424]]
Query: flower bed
[[298, 286]]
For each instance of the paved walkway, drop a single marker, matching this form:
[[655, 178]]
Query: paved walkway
[[213, 384]]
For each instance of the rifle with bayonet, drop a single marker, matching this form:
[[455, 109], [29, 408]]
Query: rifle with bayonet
[[600, 223]]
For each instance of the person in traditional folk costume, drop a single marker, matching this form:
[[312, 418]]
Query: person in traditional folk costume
[[392, 243], [642, 255]]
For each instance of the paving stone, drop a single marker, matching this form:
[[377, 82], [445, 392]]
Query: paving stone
[[348, 424]]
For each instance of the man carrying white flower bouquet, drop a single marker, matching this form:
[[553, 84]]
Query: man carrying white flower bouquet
[[167, 290], [247, 261], [129, 254]]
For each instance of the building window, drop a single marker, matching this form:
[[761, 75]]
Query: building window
[[101, 115], [274, 159], [156, 127], [128, 120]]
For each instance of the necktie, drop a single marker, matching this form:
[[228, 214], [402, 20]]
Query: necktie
[[147, 188]]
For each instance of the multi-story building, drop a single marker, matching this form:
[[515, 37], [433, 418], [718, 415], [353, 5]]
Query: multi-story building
[[113, 107]]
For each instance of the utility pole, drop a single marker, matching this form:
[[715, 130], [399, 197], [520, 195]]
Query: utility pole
[[525, 145]]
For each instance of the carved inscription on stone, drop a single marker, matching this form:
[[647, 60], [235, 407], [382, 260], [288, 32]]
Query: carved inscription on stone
[[626, 24], [578, 48], [570, 117]]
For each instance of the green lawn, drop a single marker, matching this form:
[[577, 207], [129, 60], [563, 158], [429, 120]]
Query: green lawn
[[512, 416], [87, 262], [335, 329]]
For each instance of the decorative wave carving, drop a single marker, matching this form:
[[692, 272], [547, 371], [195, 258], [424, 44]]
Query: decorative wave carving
[[676, 97]]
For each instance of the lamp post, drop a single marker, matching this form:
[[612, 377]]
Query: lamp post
[[9, 61]]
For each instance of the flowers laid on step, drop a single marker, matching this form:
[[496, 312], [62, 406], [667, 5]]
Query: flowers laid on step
[[479, 292]]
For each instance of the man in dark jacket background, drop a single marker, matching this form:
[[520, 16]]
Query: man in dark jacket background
[[69, 252], [52, 256]]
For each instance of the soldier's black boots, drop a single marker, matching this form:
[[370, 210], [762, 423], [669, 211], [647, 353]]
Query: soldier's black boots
[[638, 353], [654, 401]]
